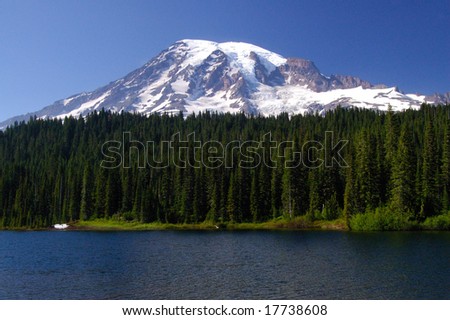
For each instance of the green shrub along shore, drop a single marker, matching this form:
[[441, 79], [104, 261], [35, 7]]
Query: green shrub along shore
[[360, 222], [349, 169], [299, 223], [378, 221]]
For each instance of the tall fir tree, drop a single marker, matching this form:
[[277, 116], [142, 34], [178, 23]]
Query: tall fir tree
[[392, 134], [429, 197], [445, 168], [350, 195], [403, 197]]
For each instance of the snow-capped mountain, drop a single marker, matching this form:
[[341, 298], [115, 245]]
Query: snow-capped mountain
[[197, 75]]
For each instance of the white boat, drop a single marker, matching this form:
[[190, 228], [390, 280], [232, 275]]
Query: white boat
[[61, 226]]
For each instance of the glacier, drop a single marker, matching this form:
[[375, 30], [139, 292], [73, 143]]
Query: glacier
[[193, 76]]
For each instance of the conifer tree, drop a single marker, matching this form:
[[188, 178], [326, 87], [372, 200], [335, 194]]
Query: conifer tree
[[429, 203], [403, 185], [367, 175], [113, 194], [100, 192], [245, 183], [187, 196], [200, 206], [255, 201], [392, 134], [127, 190], [277, 190], [287, 194], [315, 206], [445, 168], [231, 200], [349, 195]]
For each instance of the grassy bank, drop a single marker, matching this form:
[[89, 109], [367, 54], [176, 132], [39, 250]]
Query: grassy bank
[[296, 224], [366, 222], [361, 222], [382, 220]]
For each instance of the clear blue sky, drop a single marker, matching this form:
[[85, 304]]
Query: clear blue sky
[[52, 49]]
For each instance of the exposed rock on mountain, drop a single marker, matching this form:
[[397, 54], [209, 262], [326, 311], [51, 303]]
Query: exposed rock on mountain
[[197, 75]]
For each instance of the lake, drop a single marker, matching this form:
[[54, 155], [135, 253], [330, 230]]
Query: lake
[[224, 265]]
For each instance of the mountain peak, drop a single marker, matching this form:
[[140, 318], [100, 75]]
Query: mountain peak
[[198, 75], [237, 52]]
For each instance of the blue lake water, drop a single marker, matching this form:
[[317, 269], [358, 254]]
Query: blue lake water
[[224, 265]]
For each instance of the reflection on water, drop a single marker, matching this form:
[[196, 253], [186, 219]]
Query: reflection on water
[[224, 265]]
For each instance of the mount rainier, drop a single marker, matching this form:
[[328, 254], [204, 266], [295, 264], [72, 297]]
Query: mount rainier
[[197, 75]]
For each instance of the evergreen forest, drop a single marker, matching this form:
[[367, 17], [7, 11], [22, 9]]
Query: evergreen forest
[[393, 173]]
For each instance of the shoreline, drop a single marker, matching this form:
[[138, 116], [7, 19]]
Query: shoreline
[[273, 225], [115, 225]]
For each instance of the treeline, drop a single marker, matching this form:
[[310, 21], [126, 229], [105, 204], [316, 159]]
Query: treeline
[[393, 173]]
